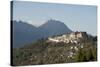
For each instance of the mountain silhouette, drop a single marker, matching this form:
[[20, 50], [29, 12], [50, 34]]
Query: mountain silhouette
[[25, 33], [54, 27]]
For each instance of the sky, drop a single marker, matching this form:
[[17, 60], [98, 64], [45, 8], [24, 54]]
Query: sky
[[76, 17]]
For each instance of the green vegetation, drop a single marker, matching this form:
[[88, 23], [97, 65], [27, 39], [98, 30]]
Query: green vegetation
[[43, 52], [86, 55]]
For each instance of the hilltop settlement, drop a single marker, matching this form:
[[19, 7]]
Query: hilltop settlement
[[65, 48], [74, 37]]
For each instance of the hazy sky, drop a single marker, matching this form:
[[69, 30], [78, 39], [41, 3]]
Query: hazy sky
[[76, 17]]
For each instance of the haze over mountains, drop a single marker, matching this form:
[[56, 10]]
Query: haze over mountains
[[25, 33]]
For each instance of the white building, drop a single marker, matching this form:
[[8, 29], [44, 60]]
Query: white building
[[53, 40], [72, 38]]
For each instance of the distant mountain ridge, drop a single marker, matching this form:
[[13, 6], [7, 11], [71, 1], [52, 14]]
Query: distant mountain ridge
[[53, 27], [25, 33]]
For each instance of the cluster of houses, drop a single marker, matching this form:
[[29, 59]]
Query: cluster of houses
[[73, 37]]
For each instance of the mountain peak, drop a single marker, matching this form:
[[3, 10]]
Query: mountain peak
[[54, 21], [26, 33], [55, 27]]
